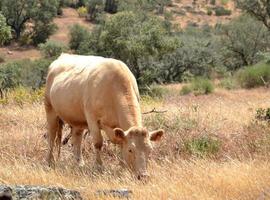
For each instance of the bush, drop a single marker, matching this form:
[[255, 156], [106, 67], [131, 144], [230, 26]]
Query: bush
[[138, 39], [213, 2], [202, 86], [241, 42], [31, 74], [209, 11], [221, 11], [78, 36], [52, 49], [2, 58], [5, 31], [82, 11], [185, 90], [228, 83], [203, 146], [156, 91], [254, 76]]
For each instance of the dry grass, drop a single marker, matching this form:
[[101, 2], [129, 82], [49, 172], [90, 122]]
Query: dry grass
[[236, 172]]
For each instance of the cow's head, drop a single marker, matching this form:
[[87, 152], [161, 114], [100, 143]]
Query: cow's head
[[136, 145]]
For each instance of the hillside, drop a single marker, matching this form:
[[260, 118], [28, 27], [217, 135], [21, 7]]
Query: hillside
[[183, 13]]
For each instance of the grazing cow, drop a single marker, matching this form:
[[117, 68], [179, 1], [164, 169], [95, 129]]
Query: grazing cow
[[96, 93]]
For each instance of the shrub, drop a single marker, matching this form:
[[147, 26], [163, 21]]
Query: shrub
[[5, 31], [78, 36], [254, 76], [2, 58], [185, 90], [156, 91], [202, 86], [82, 11], [203, 146], [25, 73], [242, 41], [221, 11], [52, 49], [228, 83], [209, 11], [213, 2]]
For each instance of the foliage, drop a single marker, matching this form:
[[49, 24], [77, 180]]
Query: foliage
[[221, 11], [156, 91], [196, 55], [5, 32], [138, 39], [26, 73], [260, 9], [263, 114], [111, 6], [82, 11], [95, 9], [201, 85], [52, 49], [203, 146], [254, 76], [78, 36], [39, 12], [228, 83], [186, 89], [241, 41]]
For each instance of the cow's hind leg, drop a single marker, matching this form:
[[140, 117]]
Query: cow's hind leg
[[54, 134], [77, 144]]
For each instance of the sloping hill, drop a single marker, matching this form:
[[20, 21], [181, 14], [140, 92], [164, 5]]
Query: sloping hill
[[69, 17], [185, 12]]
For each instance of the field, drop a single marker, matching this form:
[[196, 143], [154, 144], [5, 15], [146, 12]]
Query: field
[[213, 149]]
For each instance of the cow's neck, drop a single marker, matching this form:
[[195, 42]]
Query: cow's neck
[[130, 115]]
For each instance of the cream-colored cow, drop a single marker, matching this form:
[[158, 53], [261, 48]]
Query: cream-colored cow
[[97, 93]]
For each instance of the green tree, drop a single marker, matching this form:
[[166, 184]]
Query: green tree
[[19, 12], [260, 9], [5, 32], [241, 42]]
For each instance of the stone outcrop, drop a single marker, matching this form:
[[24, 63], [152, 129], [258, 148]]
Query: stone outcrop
[[28, 192]]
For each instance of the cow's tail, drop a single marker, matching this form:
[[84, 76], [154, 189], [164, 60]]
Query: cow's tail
[[58, 139]]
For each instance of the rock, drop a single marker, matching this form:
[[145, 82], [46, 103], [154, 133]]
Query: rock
[[37, 193], [119, 193]]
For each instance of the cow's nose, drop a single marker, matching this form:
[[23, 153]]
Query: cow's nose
[[143, 176]]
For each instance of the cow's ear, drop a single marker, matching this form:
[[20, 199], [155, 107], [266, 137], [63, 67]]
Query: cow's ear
[[119, 134], [156, 135]]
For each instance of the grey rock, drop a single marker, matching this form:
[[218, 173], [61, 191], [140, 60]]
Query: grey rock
[[27, 192], [119, 193]]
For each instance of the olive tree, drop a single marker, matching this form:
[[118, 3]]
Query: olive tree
[[5, 31], [39, 12]]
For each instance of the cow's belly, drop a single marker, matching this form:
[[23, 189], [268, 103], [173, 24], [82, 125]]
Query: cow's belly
[[67, 101]]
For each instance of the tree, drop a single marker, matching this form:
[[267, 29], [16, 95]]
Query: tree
[[242, 40], [260, 9], [134, 38], [111, 6], [5, 32], [20, 12]]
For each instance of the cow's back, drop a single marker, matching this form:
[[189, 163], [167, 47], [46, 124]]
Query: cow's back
[[79, 84]]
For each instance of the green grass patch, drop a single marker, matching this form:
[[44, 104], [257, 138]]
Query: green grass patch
[[203, 146], [254, 76], [228, 83]]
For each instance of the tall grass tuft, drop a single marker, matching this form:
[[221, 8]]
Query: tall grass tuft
[[254, 76]]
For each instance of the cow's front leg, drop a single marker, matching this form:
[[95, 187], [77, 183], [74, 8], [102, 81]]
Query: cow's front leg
[[97, 138]]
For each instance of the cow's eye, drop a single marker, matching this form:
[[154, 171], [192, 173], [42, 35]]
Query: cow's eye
[[130, 150]]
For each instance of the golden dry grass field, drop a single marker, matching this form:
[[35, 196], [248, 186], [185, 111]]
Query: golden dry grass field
[[230, 161]]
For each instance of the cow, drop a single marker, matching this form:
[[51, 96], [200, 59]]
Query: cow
[[97, 93]]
